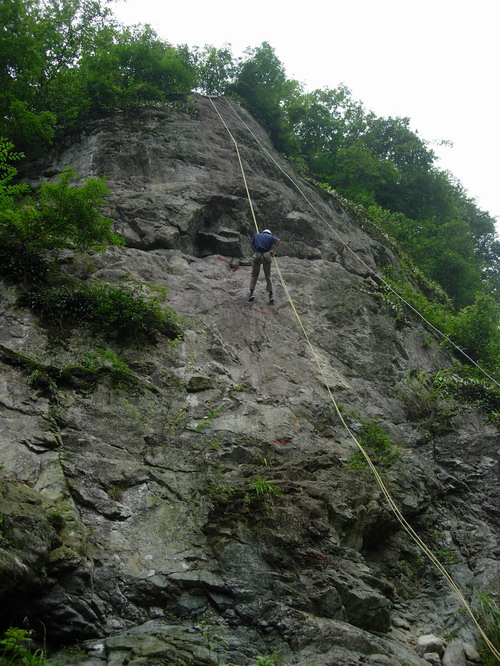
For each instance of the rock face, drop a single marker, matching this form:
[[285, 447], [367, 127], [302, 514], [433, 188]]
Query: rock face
[[208, 513]]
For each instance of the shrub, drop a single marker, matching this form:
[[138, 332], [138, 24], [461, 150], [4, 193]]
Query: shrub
[[106, 361], [15, 648], [476, 330], [469, 385], [418, 395], [437, 311], [115, 311], [260, 489], [488, 613], [33, 230], [207, 419], [473, 330], [9, 193], [378, 445]]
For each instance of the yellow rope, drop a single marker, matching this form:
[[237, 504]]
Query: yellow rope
[[360, 259], [399, 516], [241, 164]]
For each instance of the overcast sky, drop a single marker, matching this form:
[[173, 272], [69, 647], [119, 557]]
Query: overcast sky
[[434, 61]]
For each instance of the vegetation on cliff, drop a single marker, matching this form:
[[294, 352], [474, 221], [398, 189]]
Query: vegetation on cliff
[[284, 542], [35, 227], [66, 62]]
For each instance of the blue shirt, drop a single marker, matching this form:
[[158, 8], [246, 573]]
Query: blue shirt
[[263, 242]]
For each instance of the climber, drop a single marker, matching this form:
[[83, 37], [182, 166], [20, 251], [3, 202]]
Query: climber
[[264, 246]]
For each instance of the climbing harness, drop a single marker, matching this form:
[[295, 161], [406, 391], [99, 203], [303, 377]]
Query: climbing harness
[[399, 516]]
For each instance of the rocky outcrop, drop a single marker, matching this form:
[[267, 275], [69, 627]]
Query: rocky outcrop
[[209, 512]]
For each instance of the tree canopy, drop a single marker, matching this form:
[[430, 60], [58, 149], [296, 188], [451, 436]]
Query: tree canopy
[[63, 62]]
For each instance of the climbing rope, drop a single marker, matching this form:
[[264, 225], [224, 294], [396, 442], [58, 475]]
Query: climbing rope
[[371, 270], [399, 516]]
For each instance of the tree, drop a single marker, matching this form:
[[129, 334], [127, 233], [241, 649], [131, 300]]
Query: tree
[[133, 68], [9, 192], [477, 332], [65, 61], [392, 139], [21, 56], [58, 216], [322, 123], [41, 43], [362, 177], [215, 69], [262, 84]]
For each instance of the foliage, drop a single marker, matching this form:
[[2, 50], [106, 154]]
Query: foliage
[[261, 83], [267, 659], [377, 444], [56, 519], [469, 385], [220, 491], [260, 490], [105, 360], [488, 613], [418, 394], [42, 380], [207, 419], [115, 311], [263, 461], [15, 648], [9, 192], [435, 310], [444, 252], [424, 394], [68, 216], [115, 491], [476, 330], [212, 632], [66, 61], [35, 228], [447, 556], [73, 654], [41, 43], [133, 68], [215, 69]]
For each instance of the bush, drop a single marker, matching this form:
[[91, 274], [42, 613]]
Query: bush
[[488, 612], [107, 362], [469, 385], [473, 330], [438, 314], [476, 330], [260, 489], [116, 311], [418, 395], [377, 444], [35, 228], [15, 648]]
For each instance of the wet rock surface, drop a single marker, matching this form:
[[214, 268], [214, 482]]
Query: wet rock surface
[[133, 519]]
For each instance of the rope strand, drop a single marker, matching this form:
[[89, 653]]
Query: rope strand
[[399, 516], [371, 270]]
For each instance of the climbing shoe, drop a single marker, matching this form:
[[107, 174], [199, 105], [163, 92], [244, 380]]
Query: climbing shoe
[[271, 297], [250, 295]]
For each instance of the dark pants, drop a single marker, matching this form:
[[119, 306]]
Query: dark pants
[[261, 259]]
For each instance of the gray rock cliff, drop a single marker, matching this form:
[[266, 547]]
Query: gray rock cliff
[[209, 512]]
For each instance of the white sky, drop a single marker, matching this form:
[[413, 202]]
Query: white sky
[[434, 61]]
